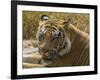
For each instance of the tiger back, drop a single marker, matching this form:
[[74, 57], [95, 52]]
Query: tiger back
[[62, 44]]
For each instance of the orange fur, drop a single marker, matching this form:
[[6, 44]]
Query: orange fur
[[79, 53]]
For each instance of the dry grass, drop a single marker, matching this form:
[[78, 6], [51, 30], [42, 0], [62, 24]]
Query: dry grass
[[31, 21]]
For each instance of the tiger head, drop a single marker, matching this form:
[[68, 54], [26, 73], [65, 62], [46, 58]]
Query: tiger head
[[53, 38]]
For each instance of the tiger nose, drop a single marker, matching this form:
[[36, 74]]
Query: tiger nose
[[44, 48], [48, 35]]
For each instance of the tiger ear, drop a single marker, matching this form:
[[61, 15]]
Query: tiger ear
[[66, 23], [44, 17]]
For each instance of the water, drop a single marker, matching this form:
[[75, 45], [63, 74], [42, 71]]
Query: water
[[30, 50]]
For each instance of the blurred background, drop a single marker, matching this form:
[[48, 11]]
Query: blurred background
[[31, 21]]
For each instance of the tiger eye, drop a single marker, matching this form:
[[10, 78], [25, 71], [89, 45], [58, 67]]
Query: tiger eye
[[41, 36]]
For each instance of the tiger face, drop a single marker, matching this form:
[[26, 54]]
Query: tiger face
[[54, 41]]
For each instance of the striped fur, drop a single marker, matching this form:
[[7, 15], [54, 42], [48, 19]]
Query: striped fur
[[69, 48]]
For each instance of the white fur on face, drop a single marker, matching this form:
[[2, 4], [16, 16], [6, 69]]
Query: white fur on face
[[67, 48]]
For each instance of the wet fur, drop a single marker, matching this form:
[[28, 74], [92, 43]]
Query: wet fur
[[79, 53]]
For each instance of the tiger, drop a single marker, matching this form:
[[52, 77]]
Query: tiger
[[62, 44]]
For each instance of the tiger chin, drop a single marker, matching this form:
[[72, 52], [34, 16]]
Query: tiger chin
[[62, 44]]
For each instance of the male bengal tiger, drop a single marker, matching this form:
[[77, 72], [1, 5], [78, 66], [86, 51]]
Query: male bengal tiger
[[61, 44]]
